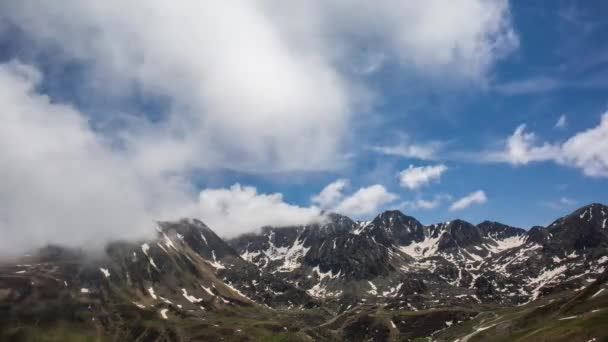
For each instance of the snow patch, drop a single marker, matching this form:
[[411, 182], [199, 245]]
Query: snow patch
[[208, 290], [165, 300], [237, 291], [138, 305], [422, 249], [293, 256], [163, 313], [215, 263], [597, 293], [329, 273], [190, 298], [546, 277], [151, 292], [392, 292], [497, 246], [105, 272], [374, 289], [168, 242], [145, 248]]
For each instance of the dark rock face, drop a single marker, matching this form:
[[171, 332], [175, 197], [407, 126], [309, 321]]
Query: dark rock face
[[411, 287], [393, 227], [199, 237], [359, 257], [484, 288], [537, 234], [498, 230], [459, 234], [579, 230]]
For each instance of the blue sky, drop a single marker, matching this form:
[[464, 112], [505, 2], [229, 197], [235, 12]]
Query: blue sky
[[161, 115], [554, 43]]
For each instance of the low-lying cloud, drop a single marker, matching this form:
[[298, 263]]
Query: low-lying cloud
[[241, 209]]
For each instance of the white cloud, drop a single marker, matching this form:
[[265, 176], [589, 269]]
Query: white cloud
[[242, 209], [365, 201], [65, 185], [415, 177], [425, 204], [522, 148], [331, 194], [250, 85], [426, 151], [428, 35], [561, 122], [60, 182], [585, 150], [588, 150], [268, 74], [477, 197]]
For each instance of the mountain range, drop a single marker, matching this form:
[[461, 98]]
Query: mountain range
[[388, 279]]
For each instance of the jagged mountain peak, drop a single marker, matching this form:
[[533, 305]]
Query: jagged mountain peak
[[499, 230], [594, 213], [457, 234], [393, 227], [197, 235], [395, 218], [586, 227]]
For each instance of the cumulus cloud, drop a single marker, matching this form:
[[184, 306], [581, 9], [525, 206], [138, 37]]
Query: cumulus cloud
[[522, 147], [415, 177], [231, 68], [586, 150], [65, 185], [331, 194], [240, 209], [365, 201], [428, 35], [252, 86], [477, 197]]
